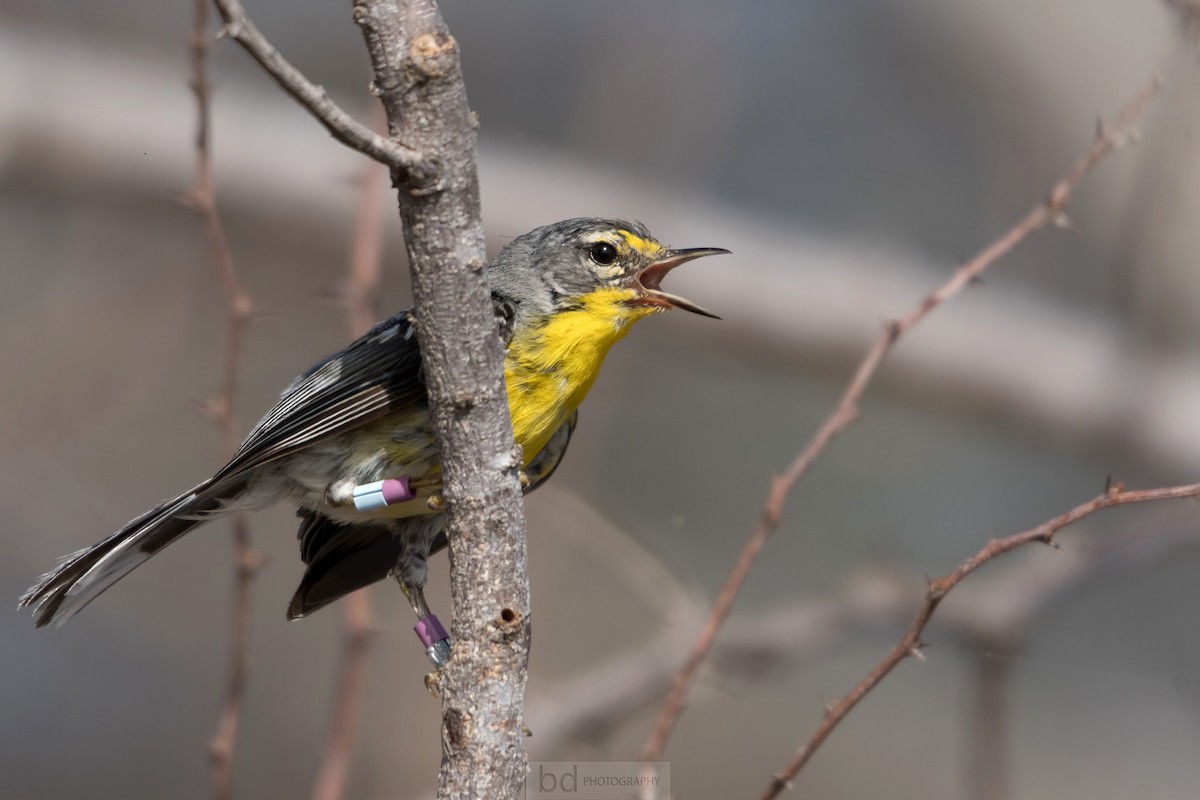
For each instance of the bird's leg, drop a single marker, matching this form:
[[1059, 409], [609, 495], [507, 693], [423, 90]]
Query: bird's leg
[[428, 627], [369, 496], [388, 492]]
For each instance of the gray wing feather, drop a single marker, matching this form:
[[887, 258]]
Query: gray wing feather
[[377, 374]]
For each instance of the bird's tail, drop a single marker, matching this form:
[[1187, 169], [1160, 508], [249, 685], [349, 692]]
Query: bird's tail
[[82, 576]]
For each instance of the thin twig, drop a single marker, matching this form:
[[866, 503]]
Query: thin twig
[[987, 760], [993, 614], [202, 198], [314, 99], [910, 643], [1049, 211], [359, 631], [1188, 14], [361, 295], [361, 298]]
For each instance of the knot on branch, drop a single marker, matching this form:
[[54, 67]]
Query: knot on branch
[[509, 459], [434, 55], [464, 400], [893, 327], [250, 562], [457, 729], [937, 588], [1059, 195], [422, 178], [220, 750], [509, 623]]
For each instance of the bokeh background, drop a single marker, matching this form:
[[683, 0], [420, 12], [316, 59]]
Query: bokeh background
[[849, 154]]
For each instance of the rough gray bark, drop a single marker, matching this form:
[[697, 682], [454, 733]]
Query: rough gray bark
[[419, 79]]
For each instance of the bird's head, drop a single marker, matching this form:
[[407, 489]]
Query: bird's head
[[561, 266]]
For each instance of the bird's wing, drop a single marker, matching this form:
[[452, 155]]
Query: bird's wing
[[377, 374], [318, 532]]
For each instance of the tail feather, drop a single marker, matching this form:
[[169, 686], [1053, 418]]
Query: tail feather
[[341, 558], [84, 575]]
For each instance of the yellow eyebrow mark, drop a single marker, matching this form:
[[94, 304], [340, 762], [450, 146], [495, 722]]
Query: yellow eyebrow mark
[[646, 247]]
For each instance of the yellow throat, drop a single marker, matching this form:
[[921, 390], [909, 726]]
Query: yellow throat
[[550, 367]]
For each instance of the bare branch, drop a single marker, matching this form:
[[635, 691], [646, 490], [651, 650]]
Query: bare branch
[[419, 79], [314, 99], [986, 775], [1188, 14], [910, 643], [992, 614], [361, 294], [1049, 211], [247, 561], [339, 740]]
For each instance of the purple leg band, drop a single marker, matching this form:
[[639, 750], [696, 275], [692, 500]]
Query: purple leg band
[[430, 630], [396, 490]]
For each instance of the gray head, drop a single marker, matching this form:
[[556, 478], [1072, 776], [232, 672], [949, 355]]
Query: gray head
[[553, 267]]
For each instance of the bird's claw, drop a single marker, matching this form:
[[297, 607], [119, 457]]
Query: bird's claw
[[433, 683]]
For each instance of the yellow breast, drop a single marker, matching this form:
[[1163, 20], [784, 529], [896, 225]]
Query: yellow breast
[[550, 367]]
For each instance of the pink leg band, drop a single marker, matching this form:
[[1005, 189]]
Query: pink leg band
[[381, 494], [430, 630]]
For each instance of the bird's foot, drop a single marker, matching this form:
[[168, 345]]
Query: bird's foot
[[437, 642], [433, 682], [439, 654]]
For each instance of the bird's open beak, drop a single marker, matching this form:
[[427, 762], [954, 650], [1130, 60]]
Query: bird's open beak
[[649, 279]]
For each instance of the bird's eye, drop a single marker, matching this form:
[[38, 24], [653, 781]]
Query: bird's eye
[[603, 253]]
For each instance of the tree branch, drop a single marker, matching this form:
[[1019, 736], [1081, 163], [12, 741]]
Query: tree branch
[[1049, 211], [910, 643], [247, 561], [314, 99], [418, 77], [993, 615]]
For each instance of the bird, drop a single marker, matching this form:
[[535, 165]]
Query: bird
[[350, 442]]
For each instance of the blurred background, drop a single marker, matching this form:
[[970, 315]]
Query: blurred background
[[849, 154]]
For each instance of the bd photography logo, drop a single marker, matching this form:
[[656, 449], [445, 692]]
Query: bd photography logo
[[598, 780]]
